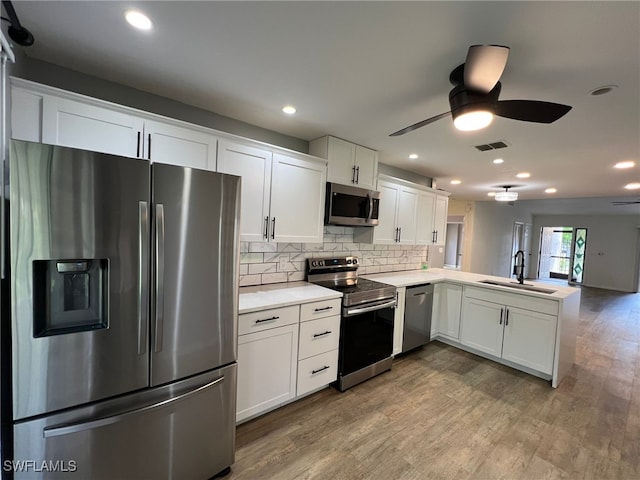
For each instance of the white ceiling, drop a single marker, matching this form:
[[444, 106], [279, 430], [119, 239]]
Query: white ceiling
[[361, 70]]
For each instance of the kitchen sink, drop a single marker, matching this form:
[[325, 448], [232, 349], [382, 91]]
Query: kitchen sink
[[519, 286]]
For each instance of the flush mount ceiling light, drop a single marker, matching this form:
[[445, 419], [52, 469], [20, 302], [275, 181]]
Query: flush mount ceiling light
[[625, 164], [289, 109], [470, 120], [506, 196], [138, 20]]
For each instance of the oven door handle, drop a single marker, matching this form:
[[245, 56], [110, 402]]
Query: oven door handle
[[356, 311]]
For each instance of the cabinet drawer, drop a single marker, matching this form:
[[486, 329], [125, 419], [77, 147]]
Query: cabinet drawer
[[324, 308], [316, 372], [266, 319], [527, 302], [319, 336]]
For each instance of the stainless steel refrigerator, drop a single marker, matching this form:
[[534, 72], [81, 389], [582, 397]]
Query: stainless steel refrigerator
[[124, 316]]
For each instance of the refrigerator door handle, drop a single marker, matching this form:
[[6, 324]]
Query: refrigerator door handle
[[159, 304], [66, 429], [143, 279]]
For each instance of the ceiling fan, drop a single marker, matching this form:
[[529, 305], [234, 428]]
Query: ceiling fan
[[474, 98]]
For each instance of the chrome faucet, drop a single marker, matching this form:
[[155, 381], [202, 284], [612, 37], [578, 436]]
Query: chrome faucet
[[518, 266]]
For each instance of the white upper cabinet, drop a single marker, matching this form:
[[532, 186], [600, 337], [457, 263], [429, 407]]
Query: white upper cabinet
[[424, 218], [90, 124], [167, 143], [297, 199], [349, 164], [440, 219], [254, 166], [79, 125], [282, 195]]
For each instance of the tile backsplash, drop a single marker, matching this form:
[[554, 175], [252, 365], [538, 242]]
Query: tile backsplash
[[262, 263]]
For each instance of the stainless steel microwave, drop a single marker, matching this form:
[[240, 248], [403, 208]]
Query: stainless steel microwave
[[351, 206]]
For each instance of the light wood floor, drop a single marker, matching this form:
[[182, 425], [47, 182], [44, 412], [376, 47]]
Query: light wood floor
[[446, 414]]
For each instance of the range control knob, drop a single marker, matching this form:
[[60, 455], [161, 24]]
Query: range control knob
[[314, 263], [348, 261], [355, 261]]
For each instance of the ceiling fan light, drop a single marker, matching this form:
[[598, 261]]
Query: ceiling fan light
[[474, 120], [506, 196]]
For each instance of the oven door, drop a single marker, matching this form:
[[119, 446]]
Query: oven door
[[366, 336]]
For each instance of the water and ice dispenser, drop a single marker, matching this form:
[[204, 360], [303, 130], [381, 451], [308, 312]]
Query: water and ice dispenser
[[70, 296]]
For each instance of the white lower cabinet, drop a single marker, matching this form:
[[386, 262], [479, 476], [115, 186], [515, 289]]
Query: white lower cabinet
[[267, 368], [267, 360], [447, 307], [284, 353], [513, 327]]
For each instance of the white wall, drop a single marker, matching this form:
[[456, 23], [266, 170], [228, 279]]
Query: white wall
[[611, 259], [492, 237]]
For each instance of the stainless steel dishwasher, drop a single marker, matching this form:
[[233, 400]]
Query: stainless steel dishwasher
[[417, 316]]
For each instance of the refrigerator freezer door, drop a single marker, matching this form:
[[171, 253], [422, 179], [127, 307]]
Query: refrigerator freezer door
[[195, 240], [79, 281], [185, 430]]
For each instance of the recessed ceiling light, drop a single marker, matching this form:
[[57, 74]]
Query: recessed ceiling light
[[602, 90], [498, 161], [632, 186], [455, 182], [413, 156], [523, 175], [138, 20], [492, 194], [625, 164], [289, 109], [551, 190]]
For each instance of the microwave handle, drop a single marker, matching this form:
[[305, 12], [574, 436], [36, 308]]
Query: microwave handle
[[370, 207]]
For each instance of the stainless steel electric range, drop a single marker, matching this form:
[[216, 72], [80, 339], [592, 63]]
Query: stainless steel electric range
[[366, 326]]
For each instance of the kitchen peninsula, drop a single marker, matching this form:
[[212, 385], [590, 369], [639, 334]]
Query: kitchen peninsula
[[530, 327]]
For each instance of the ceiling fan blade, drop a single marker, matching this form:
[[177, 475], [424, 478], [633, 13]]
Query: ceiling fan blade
[[531, 110], [484, 66], [415, 126]]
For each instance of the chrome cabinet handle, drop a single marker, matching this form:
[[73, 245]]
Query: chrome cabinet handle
[[326, 367], [316, 335], [267, 319], [501, 313], [273, 228], [66, 429], [159, 303], [266, 227], [143, 279]]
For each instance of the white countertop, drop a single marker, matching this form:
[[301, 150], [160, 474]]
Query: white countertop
[[260, 297], [435, 275]]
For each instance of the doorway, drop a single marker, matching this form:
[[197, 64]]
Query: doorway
[[454, 242], [562, 254]]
